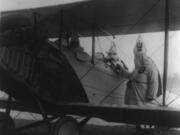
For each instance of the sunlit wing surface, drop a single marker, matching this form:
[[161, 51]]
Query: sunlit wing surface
[[115, 16]]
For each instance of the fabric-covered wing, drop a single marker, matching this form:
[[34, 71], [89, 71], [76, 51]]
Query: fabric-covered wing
[[159, 116], [115, 17]]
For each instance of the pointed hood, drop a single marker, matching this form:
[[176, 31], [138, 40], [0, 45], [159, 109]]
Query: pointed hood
[[112, 50], [140, 48]]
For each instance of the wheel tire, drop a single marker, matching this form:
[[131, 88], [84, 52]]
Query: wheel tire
[[7, 126], [67, 126]]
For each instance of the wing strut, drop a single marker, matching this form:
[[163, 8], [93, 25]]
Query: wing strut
[[166, 43], [60, 29], [93, 43]]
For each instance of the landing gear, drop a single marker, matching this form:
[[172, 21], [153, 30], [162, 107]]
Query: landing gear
[[7, 126], [144, 129], [56, 125], [66, 126]]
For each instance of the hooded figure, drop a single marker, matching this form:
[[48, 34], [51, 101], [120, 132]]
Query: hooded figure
[[112, 52], [144, 83], [113, 59]]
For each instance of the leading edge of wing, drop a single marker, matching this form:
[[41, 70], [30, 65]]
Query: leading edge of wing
[[161, 116]]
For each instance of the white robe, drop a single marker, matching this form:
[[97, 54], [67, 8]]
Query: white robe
[[144, 82]]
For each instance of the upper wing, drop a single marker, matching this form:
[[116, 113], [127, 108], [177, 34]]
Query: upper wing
[[115, 16]]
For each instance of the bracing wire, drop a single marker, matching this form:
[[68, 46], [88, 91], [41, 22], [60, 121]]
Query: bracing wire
[[90, 69], [121, 51], [125, 54], [114, 89], [143, 16], [32, 115], [102, 49], [134, 25], [138, 21], [17, 115], [178, 96], [173, 100], [100, 46], [154, 52], [157, 49]]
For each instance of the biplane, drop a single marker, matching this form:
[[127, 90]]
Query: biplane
[[49, 78]]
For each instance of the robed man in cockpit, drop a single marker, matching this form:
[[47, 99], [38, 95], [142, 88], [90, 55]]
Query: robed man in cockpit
[[144, 83]]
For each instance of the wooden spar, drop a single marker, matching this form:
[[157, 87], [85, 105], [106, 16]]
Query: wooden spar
[[166, 43], [93, 43], [60, 29]]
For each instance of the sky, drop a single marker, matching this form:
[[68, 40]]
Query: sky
[[155, 48], [23, 4], [125, 43]]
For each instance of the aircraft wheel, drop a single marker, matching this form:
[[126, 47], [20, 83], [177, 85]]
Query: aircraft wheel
[[67, 126], [7, 126]]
